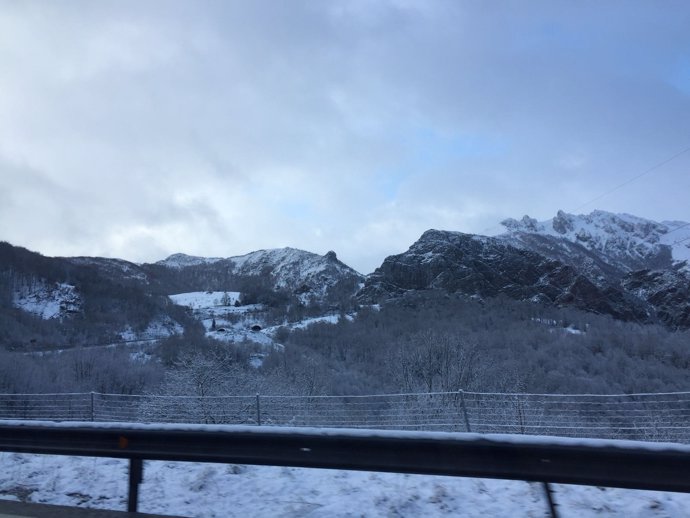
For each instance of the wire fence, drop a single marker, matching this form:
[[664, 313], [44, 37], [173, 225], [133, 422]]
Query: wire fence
[[648, 417]]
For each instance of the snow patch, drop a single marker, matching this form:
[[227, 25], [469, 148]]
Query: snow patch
[[206, 299], [327, 319], [47, 300]]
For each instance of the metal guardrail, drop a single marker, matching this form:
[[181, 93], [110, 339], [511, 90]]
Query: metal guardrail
[[623, 464]]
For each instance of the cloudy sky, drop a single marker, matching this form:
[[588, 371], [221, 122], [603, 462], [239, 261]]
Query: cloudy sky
[[137, 129]]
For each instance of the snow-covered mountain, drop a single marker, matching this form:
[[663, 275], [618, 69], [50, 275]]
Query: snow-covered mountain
[[90, 300], [622, 240], [58, 302], [482, 267], [616, 264], [183, 260], [314, 277], [47, 300]]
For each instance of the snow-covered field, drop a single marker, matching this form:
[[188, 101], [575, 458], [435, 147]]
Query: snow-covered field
[[220, 490], [205, 299], [235, 323]]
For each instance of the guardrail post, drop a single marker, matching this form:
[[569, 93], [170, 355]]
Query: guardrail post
[[464, 410], [136, 475], [93, 415], [258, 409], [549, 499]]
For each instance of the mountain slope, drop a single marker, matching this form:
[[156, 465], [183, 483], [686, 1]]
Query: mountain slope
[[488, 267], [624, 241], [50, 302], [314, 278], [615, 264]]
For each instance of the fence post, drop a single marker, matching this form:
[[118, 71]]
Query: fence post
[[258, 409], [93, 414], [464, 410]]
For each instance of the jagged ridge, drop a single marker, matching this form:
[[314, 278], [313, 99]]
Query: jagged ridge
[[619, 265]]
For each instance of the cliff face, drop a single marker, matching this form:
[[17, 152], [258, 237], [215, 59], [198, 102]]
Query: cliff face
[[607, 264]]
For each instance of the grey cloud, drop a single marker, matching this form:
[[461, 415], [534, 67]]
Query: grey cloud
[[227, 126]]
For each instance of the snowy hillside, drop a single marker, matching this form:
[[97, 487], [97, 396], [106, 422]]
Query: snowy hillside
[[291, 267], [623, 238], [206, 299], [113, 268], [226, 320], [178, 261], [313, 277], [47, 300], [678, 238]]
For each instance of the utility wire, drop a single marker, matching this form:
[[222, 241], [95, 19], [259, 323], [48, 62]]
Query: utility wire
[[649, 170], [634, 178], [681, 241], [678, 228], [620, 186]]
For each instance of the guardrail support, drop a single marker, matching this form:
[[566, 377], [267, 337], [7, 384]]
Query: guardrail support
[[136, 475], [549, 499]]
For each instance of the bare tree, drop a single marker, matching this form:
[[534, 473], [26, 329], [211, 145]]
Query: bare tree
[[432, 360]]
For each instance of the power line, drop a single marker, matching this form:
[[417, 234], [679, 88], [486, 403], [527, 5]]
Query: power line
[[678, 228], [634, 178], [681, 241], [621, 185]]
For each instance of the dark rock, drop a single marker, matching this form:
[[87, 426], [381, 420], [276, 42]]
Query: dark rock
[[489, 267]]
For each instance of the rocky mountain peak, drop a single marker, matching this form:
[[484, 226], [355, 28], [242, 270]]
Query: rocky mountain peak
[[623, 241], [615, 264]]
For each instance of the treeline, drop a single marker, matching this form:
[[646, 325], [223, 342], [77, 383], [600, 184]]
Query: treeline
[[186, 365], [431, 341], [423, 342], [107, 304], [107, 370]]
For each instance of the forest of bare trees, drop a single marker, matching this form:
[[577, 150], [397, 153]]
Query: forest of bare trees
[[423, 343]]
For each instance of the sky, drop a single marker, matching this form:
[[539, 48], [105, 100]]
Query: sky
[[141, 128]]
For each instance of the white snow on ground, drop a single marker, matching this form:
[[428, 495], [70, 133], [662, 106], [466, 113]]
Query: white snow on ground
[[47, 300], [234, 323], [678, 238], [161, 329], [239, 333], [327, 319], [229, 490], [219, 306], [157, 329], [221, 490], [205, 299], [572, 330]]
